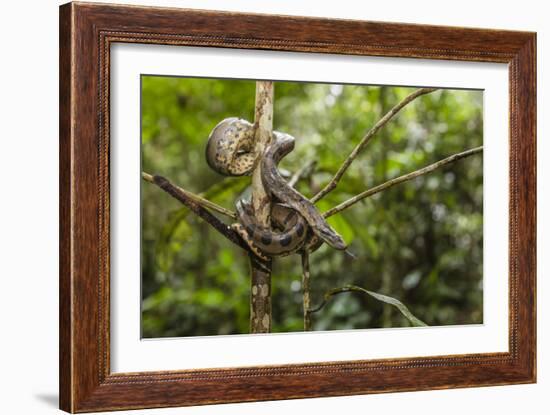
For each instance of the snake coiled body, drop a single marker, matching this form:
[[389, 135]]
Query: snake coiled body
[[281, 145], [287, 235], [230, 147], [295, 220]]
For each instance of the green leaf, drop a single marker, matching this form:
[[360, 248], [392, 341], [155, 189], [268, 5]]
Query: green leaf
[[380, 297], [338, 222], [226, 189], [342, 226], [210, 297], [399, 305]]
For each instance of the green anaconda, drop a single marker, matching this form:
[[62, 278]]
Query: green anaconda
[[286, 237], [295, 220]]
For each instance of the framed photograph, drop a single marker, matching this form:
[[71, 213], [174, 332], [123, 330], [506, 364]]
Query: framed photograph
[[259, 207]]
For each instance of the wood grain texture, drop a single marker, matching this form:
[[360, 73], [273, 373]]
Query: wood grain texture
[[79, 224], [65, 137], [86, 33]]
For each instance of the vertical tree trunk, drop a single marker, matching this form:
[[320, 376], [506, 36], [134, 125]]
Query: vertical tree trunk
[[306, 300], [260, 290]]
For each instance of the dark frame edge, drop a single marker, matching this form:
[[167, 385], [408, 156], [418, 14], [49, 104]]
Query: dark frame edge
[[66, 43], [526, 115]]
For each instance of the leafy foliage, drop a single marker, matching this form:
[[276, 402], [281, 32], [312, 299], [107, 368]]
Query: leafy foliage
[[420, 242]]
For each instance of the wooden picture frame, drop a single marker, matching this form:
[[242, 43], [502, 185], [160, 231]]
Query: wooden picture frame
[[86, 33]]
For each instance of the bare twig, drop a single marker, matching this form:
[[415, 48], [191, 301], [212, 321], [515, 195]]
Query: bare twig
[[260, 277], [198, 210], [366, 138], [182, 196], [380, 297], [401, 179], [302, 172], [306, 290], [200, 200]]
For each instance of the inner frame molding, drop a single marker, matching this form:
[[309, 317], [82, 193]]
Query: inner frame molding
[[86, 34]]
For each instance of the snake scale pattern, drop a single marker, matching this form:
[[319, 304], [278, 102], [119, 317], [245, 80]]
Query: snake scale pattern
[[295, 220]]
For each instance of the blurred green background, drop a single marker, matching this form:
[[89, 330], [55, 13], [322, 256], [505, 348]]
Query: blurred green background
[[420, 242]]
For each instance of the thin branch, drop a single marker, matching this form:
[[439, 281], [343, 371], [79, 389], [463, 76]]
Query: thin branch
[[200, 200], [306, 290], [197, 209], [380, 297], [401, 179], [302, 172], [183, 196], [366, 138]]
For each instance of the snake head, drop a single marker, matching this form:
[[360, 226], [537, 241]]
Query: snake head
[[332, 238]]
